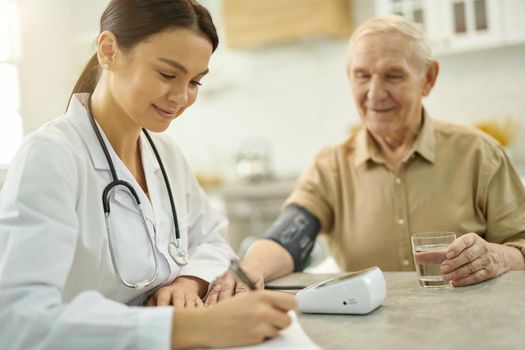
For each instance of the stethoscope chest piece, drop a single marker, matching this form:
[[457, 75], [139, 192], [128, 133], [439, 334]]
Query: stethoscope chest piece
[[177, 254]]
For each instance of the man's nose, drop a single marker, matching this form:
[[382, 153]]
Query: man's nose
[[377, 90]]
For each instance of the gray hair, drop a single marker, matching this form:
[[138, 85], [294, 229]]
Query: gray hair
[[393, 24]]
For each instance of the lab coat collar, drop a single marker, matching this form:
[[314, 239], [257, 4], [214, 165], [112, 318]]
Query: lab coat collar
[[79, 117], [78, 114]]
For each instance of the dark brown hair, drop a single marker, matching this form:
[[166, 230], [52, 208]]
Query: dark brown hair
[[132, 21]]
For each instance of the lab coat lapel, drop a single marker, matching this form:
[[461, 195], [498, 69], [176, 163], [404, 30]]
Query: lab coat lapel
[[79, 117], [150, 167], [156, 185], [161, 204]]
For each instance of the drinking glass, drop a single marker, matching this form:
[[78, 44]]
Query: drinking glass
[[429, 250]]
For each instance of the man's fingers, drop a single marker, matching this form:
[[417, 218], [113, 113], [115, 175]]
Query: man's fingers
[[465, 270], [467, 256], [460, 244], [477, 277], [241, 288], [212, 298], [228, 285], [220, 290], [259, 283]]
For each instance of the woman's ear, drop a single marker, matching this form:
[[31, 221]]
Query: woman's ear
[[107, 49], [430, 77]]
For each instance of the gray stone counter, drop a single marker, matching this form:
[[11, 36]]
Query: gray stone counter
[[490, 315]]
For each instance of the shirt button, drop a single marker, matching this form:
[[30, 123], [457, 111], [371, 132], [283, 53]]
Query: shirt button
[[400, 221], [406, 262], [398, 180]]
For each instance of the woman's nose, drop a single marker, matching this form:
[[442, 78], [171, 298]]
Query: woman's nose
[[179, 95]]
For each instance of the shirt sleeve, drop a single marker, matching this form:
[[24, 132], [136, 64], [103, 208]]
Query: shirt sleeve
[[314, 189], [39, 233], [505, 202]]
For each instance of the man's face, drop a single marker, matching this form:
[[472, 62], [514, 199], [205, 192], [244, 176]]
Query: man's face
[[388, 83]]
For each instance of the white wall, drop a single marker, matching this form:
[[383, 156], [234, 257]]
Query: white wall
[[57, 37], [296, 96]]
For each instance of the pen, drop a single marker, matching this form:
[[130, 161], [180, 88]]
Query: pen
[[236, 268]]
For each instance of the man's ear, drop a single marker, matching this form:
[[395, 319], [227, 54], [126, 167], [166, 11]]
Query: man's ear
[[430, 77], [107, 49]]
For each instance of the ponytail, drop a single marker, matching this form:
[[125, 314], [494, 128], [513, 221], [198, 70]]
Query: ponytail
[[88, 79]]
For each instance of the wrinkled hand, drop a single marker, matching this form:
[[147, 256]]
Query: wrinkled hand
[[183, 293], [471, 259], [228, 285]]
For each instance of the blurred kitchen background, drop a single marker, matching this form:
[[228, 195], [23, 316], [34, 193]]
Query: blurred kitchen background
[[277, 90]]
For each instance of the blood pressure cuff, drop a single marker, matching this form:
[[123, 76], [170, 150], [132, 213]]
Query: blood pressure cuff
[[295, 230]]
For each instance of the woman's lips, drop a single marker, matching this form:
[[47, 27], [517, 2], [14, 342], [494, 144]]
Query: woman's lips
[[165, 113]]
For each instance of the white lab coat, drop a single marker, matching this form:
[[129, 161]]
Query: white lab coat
[[58, 288]]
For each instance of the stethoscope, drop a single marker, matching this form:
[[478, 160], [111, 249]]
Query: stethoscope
[[174, 248]]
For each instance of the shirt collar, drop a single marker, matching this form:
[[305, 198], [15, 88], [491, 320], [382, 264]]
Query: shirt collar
[[425, 144]]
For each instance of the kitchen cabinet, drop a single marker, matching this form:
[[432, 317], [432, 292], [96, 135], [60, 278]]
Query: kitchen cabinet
[[463, 25], [513, 15], [253, 23]]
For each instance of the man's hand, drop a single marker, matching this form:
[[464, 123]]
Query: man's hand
[[228, 285], [471, 259], [183, 293]]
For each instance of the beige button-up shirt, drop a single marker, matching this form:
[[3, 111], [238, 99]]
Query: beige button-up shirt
[[456, 179]]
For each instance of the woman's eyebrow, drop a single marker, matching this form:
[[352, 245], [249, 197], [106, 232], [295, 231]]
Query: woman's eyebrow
[[179, 66]]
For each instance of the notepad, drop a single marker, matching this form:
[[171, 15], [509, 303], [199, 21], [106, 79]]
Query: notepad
[[292, 337]]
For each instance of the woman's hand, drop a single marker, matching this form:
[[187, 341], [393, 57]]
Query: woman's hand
[[228, 285], [471, 259], [247, 319], [183, 293]]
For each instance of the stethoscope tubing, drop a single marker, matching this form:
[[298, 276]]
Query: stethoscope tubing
[[174, 248]]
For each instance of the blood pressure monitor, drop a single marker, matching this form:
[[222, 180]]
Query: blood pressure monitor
[[358, 292]]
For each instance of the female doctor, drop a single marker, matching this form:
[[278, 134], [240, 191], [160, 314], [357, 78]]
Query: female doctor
[[97, 212]]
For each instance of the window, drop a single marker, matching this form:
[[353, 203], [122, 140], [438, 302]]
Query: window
[[10, 121]]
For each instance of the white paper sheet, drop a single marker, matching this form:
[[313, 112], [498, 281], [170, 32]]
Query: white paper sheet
[[292, 337]]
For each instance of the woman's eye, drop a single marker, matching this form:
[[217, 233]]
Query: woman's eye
[[166, 76], [195, 83]]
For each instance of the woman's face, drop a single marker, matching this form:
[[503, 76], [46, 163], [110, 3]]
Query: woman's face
[[160, 77]]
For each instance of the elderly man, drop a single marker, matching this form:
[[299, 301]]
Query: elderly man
[[401, 173]]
